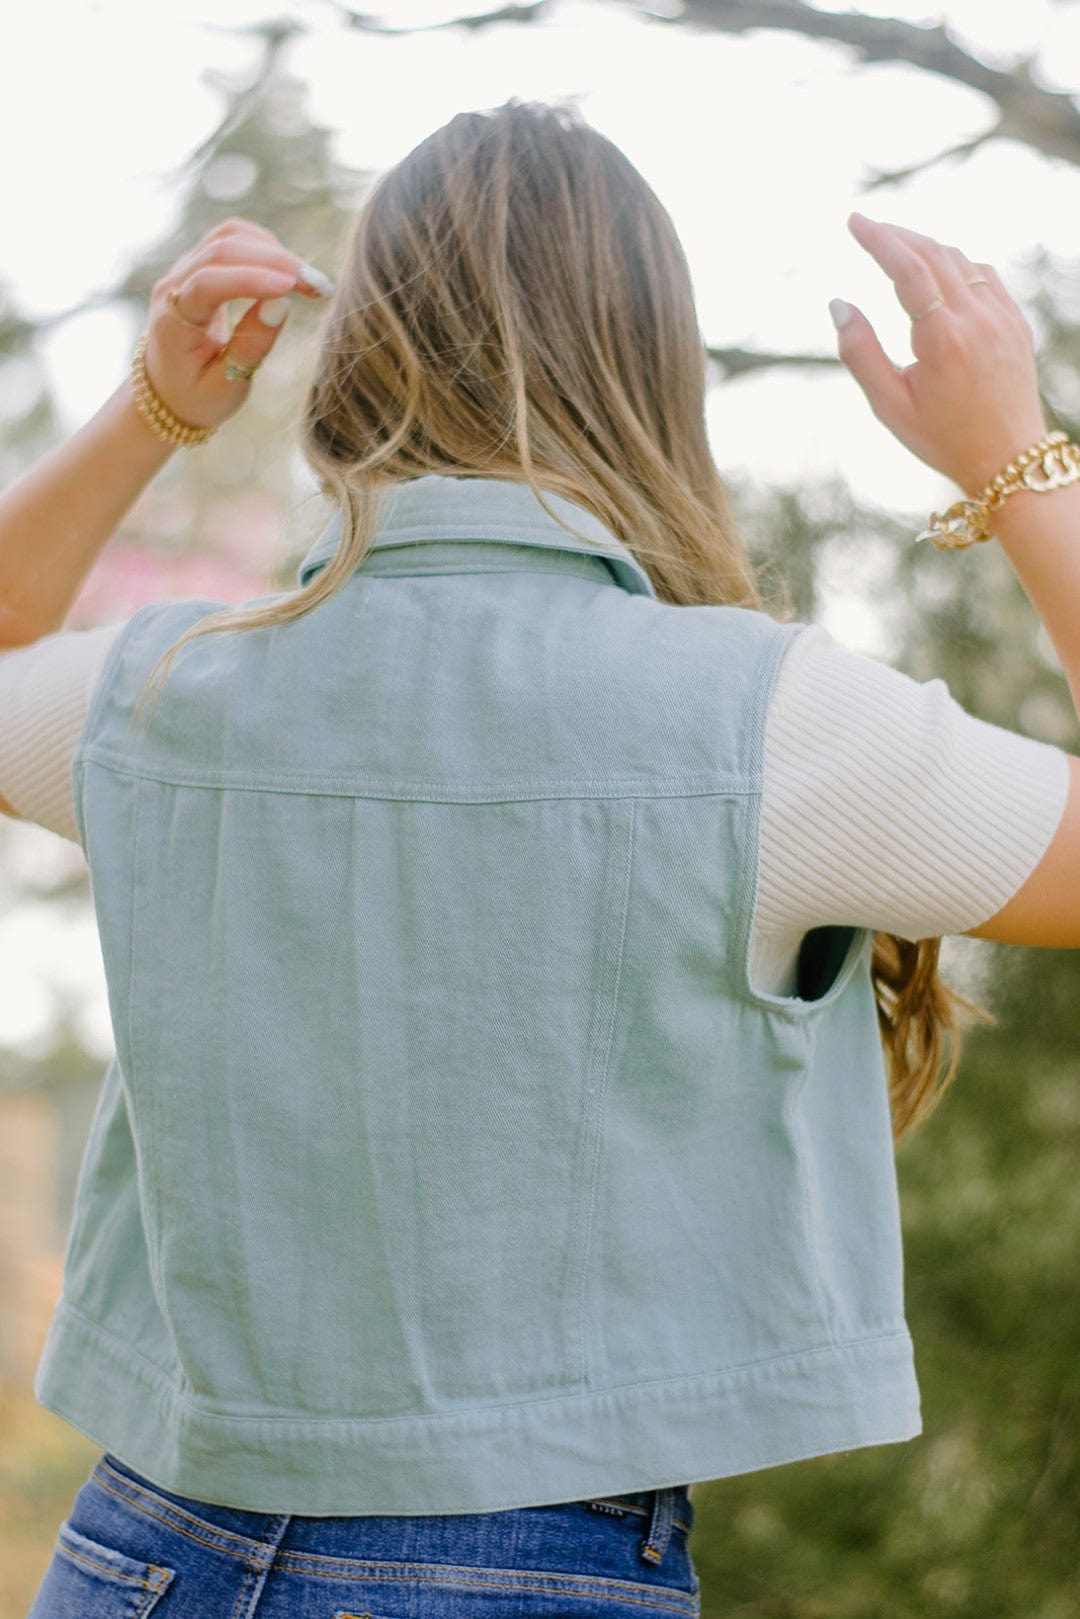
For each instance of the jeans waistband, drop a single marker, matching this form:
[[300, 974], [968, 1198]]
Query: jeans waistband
[[644, 1498], [661, 1511], [658, 1512]]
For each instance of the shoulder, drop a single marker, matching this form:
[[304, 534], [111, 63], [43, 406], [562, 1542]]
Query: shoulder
[[742, 642], [59, 661]]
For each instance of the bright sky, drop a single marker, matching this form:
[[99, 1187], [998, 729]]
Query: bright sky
[[756, 145]]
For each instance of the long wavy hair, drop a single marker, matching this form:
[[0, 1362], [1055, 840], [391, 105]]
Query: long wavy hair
[[514, 302]]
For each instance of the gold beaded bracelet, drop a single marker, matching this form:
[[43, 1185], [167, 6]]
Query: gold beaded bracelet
[[157, 413], [968, 521]]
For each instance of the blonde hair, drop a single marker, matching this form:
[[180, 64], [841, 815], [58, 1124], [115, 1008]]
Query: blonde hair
[[514, 302]]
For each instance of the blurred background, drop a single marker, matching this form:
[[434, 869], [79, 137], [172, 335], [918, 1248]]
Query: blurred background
[[130, 131]]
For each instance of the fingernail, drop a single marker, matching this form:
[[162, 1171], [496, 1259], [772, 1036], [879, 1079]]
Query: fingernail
[[315, 279], [273, 311], [840, 312]]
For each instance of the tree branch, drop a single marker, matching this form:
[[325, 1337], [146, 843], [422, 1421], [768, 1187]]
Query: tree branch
[[737, 362], [514, 12], [1046, 120], [888, 177]]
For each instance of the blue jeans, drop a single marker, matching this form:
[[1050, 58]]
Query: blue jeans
[[130, 1548]]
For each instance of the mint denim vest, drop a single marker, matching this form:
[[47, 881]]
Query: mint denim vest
[[449, 1161]]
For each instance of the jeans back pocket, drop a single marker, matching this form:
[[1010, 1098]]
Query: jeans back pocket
[[93, 1581]]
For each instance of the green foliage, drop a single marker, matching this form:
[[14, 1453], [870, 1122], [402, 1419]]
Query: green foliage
[[977, 1517]]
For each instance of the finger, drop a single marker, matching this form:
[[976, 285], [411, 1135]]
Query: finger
[[946, 263], [225, 232], [970, 280], [202, 294], [240, 247], [886, 388], [967, 287], [231, 249], [228, 227], [970, 274], [912, 277], [252, 340], [995, 288]]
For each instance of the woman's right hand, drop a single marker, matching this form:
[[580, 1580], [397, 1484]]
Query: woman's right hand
[[970, 403]]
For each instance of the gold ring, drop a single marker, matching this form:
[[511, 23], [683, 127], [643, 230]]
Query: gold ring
[[938, 303], [173, 300], [234, 370]]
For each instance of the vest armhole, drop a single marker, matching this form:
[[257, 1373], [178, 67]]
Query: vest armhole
[[98, 698]]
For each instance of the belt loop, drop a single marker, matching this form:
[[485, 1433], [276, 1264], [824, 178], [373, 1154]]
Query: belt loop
[[656, 1540]]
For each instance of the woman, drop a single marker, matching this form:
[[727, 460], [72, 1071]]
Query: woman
[[521, 947]]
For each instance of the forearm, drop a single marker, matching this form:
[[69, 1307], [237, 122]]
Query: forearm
[[57, 517], [1040, 534]]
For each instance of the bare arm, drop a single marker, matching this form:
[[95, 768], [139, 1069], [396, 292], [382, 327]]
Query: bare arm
[[968, 406], [1040, 534], [56, 518]]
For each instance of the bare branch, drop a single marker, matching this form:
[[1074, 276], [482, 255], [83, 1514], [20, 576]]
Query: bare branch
[[274, 36], [737, 362], [1046, 120], [523, 12], [888, 177]]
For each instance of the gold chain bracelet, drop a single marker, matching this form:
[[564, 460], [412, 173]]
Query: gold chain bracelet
[[1050, 464], [157, 413]]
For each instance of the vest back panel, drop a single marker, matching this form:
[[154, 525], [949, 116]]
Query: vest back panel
[[448, 1161]]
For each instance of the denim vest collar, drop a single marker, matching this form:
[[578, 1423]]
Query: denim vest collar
[[482, 522]]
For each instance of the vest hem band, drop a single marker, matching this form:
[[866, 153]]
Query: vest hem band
[[691, 1429]]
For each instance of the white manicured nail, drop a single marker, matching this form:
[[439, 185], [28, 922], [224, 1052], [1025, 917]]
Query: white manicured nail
[[273, 311], [316, 279], [840, 312]]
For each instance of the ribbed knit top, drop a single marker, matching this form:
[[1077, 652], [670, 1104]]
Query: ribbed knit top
[[885, 804]]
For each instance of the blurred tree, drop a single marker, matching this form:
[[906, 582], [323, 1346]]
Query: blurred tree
[[1019, 106], [976, 1519], [222, 511], [29, 424], [212, 523], [1025, 110]]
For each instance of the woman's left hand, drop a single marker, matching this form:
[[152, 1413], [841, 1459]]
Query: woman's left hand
[[186, 340]]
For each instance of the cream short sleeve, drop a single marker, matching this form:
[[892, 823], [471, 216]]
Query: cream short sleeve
[[886, 805], [45, 691]]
